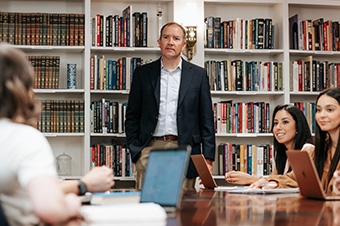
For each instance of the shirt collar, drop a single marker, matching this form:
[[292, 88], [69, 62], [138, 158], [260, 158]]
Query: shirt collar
[[178, 66]]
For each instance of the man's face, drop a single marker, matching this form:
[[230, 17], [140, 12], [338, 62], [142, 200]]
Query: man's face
[[172, 42]]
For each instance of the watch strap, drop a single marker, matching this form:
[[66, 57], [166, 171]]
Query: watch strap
[[82, 188]]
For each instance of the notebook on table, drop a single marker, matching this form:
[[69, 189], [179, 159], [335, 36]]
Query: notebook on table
[[259, 191], [307, 177], [164, 177]]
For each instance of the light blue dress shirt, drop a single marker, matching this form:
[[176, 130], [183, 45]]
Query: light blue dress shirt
[[167, 116]]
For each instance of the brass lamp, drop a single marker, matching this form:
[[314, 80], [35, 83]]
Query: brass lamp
[[191, 39]]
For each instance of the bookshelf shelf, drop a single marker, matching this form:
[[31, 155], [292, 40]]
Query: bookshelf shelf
[[304, 93], [126, 49], [246, 93], [314, 4], [48, 91], [314, 53], [108, 135], [246, 135], [124, 178], [64, 134], [272, 52], [125, 92], [245, 2], [77, 49]]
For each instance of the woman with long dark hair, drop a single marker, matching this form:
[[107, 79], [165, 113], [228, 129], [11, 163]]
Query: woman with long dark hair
[[327, 135], [326, 154], [291, 131]]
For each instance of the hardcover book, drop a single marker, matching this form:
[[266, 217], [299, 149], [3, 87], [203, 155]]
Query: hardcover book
[[293, 32]]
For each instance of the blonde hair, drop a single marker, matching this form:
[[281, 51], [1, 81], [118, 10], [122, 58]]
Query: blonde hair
[[16, 83]]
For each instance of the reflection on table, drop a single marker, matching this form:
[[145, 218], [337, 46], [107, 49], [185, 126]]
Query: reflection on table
[[207, 207]]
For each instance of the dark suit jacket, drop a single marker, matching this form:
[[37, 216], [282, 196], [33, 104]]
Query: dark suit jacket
[[195, 119]]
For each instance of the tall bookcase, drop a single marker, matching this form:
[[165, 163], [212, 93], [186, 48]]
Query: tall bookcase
[[186, 13], [247, 10]]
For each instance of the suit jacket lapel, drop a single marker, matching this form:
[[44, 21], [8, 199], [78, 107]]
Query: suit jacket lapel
[[186, 77], [155, 75]]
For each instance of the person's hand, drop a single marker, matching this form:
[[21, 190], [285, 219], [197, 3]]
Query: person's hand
[[210, 165], [73, 205], [336, 182], [261, 183], [237, 177], [99, 179]]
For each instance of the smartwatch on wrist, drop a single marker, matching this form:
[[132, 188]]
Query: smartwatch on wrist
[[82, 188]]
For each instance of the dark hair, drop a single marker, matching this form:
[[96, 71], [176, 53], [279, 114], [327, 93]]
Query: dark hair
[[302, 136], [16, 83], [321, 146], [170, 24]]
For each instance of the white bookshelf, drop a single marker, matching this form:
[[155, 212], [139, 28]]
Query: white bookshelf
[[279, 11], [151, 52], [77, 145]]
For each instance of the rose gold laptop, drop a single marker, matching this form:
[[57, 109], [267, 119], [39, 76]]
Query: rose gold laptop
[[203, 171], [307, 176]]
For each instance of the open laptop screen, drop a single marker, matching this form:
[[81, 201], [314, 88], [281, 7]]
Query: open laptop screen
[[164, 176]]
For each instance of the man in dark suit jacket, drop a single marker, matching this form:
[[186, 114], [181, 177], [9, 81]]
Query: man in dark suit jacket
[[169, 106]]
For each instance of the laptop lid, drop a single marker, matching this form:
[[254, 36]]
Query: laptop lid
[[164, 176], [203, 171], [306, 174]]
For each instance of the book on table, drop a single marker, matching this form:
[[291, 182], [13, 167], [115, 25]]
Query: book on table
[[140, 214], [111, 198]]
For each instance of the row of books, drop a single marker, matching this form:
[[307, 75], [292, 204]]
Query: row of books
[[46, 71], [115, 156], [251, 117], [257, 160], [319, 34], [112, 74], [120, 31], [312, 75], [308, 109], [108, 116], [240, 75], [42, 29], [61, 116], [239, 33]]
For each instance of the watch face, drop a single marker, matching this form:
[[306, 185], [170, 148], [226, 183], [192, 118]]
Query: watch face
[[82, 187]]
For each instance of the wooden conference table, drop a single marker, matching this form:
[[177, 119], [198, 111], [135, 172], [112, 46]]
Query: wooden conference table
[[208, 207]]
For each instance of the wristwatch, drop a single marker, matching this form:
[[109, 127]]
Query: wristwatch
[[82, 188]]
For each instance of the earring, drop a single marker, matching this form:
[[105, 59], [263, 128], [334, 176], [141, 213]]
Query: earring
[[297, 132]]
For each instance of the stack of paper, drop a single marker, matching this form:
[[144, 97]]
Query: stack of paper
[[247, 190], [142, 214]]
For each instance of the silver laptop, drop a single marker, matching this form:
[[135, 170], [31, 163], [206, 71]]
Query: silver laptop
[[307, 176], [164, 177]]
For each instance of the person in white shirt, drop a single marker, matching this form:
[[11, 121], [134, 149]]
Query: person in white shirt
[[29, 190]]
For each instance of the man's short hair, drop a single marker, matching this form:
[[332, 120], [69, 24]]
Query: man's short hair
[[170, 24]]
